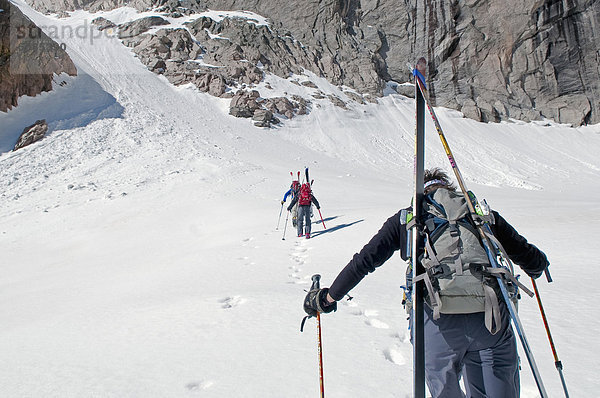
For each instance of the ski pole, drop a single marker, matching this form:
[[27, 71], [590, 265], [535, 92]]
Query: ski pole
[[320, 215], [557, 362], [285, 228], [279, 217], [315, 285]]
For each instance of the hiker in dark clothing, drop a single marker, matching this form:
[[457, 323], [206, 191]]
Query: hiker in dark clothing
[[459, 342], [304, 199]]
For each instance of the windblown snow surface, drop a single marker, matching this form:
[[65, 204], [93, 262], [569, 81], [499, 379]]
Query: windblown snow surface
[[142, 253]]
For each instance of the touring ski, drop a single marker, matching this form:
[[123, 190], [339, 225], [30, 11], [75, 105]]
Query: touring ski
[[418, 316]]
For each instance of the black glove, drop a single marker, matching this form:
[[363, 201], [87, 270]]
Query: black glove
[[282, 202], [540, 268], [316, 301]]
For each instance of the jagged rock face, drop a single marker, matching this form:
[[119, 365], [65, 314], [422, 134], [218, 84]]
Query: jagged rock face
[[222, 58], [349, 54], [31, 134], [56, 6], [492, 60], [139, 26], [499, 60], [28, 57]]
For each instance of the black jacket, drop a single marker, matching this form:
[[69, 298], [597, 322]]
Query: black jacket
[[393, 236]]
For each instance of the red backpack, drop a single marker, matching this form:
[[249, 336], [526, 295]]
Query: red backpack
[[305, 195]]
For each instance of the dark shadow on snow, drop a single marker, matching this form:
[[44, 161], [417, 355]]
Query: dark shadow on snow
[[74, 102], [318, 220], [332, 229]]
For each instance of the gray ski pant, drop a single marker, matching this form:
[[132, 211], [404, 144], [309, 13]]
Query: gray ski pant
[[303, 217], [460, 345]]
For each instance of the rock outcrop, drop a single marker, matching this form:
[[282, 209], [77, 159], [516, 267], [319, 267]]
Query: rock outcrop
[[224, 58], [491, 60], [28, 57], [31, 134]]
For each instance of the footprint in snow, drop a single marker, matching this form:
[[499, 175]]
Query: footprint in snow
[[376, 323], [199, 385], [394, 355], [246, 241], [299, 261], [230, 302], [371, 312], [352, 304]]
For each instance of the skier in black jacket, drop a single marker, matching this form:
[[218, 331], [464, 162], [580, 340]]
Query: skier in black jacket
[[457, 345]]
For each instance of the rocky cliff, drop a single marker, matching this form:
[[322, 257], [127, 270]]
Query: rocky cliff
[[28, 57], [491, 60]]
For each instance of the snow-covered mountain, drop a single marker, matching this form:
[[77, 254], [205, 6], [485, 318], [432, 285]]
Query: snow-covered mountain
[[142, 253]]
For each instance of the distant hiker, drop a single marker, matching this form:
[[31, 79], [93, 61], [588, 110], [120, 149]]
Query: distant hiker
[[294, 191], [304, 199], [467, 323]]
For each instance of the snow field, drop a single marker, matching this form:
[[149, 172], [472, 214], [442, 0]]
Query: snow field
[[141, 256]]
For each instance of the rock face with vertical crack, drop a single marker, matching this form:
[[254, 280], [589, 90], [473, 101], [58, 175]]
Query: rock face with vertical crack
[[28, 57]]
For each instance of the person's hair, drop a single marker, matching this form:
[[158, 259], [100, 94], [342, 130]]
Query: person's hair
[[437, 178]]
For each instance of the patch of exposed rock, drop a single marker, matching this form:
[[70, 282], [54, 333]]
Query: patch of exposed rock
[[139, 26], [264, 110], [32, 134], [28, 57], [103, 24], [222, 58]]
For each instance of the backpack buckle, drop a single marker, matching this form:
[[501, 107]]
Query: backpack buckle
[[435, 271]]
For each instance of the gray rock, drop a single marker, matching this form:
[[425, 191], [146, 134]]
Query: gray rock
[[337, 101], [135, 28], [309, 83], [239, 111], [262, 118], [355, 97], [103, 23], [28, 61], [244, 103], [32, 134], [212, 83], [405, 90]]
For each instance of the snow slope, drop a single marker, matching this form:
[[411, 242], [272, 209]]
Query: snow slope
[[142, 254]]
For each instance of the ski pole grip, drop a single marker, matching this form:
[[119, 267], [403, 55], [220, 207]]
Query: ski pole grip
[[316, 282], [548, 277]]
